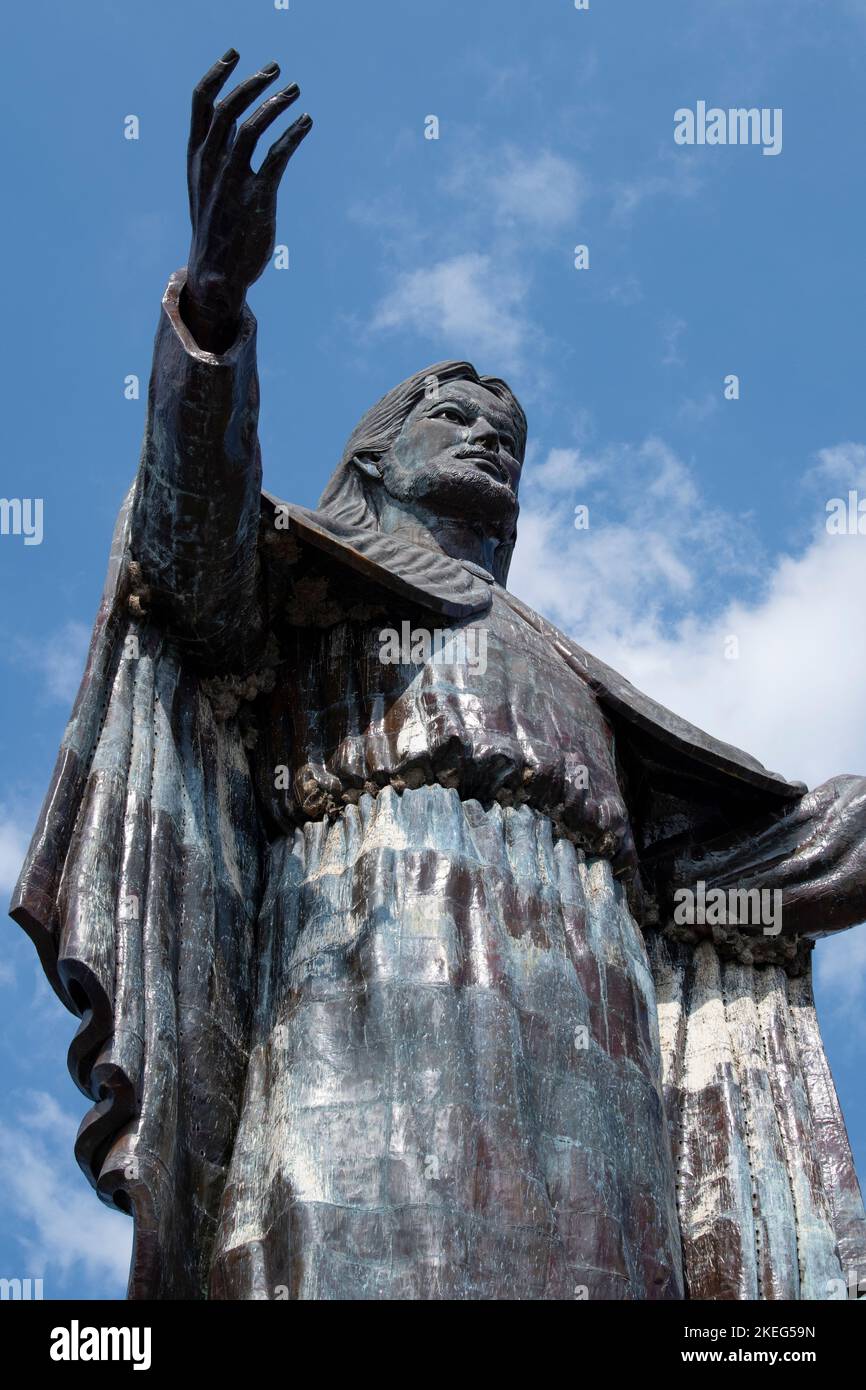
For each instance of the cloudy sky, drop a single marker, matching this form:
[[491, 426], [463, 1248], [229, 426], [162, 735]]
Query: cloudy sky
[[707, 515]]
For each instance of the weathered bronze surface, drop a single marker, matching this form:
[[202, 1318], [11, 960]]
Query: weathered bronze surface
[[381, 989]]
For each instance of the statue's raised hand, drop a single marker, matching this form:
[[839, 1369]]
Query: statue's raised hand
[[233, 210]]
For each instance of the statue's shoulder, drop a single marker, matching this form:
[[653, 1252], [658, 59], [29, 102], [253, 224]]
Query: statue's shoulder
[[422, 576], [429, 579], [655, 726]]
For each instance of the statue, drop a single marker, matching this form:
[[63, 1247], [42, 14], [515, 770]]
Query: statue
[[417, 954]]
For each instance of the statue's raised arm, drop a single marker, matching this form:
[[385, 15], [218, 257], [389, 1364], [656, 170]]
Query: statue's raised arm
[[196, 510]]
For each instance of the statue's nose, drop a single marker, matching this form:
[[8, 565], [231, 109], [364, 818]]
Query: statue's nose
[[483, 433]]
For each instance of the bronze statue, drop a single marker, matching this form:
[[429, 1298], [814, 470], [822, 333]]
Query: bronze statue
[[366, 882]]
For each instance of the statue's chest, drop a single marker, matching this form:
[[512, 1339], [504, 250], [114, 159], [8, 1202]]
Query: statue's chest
[[486, 707]]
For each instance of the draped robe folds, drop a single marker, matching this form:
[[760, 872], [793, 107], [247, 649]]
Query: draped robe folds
[[413, 1019]]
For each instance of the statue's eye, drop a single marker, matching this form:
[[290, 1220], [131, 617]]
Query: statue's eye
[[450, 412]]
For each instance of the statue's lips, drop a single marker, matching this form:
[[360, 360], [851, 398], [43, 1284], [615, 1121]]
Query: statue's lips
[[487, 462]]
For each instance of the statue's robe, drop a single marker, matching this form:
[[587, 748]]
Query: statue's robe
[[379, 992]]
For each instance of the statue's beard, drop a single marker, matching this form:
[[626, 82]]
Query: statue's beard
[[459, 492]]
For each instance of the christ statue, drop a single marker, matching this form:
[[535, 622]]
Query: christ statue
[[418, 955]]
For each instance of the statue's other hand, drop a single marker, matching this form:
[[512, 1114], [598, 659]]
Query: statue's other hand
[[832, 851], [813, 852], [232, 209]]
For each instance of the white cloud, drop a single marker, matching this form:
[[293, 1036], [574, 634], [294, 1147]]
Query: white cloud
[[672, 330], [13, 847], [58, 657], [795, 695], [465, 305], [536, 190], [842, 464], [563, 470], [674, 176], [60, 1225], [625, 292], [633, 573], [474, 302], [694, 410], [641, 589]]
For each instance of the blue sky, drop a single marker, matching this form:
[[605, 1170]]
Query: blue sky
[[707, 516]]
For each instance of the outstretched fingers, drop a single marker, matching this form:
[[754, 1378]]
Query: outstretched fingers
[[227, 111], [282, 150], [218, 140], [204, 93], [259, 121]]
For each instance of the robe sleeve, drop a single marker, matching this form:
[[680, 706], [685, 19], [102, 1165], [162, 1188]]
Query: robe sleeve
[[811, 853], [196, 511], [142, 882]]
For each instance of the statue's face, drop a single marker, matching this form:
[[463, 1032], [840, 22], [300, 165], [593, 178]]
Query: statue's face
[[456, 456]]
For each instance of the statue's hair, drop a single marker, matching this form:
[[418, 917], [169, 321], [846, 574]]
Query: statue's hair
[[346, 497]]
